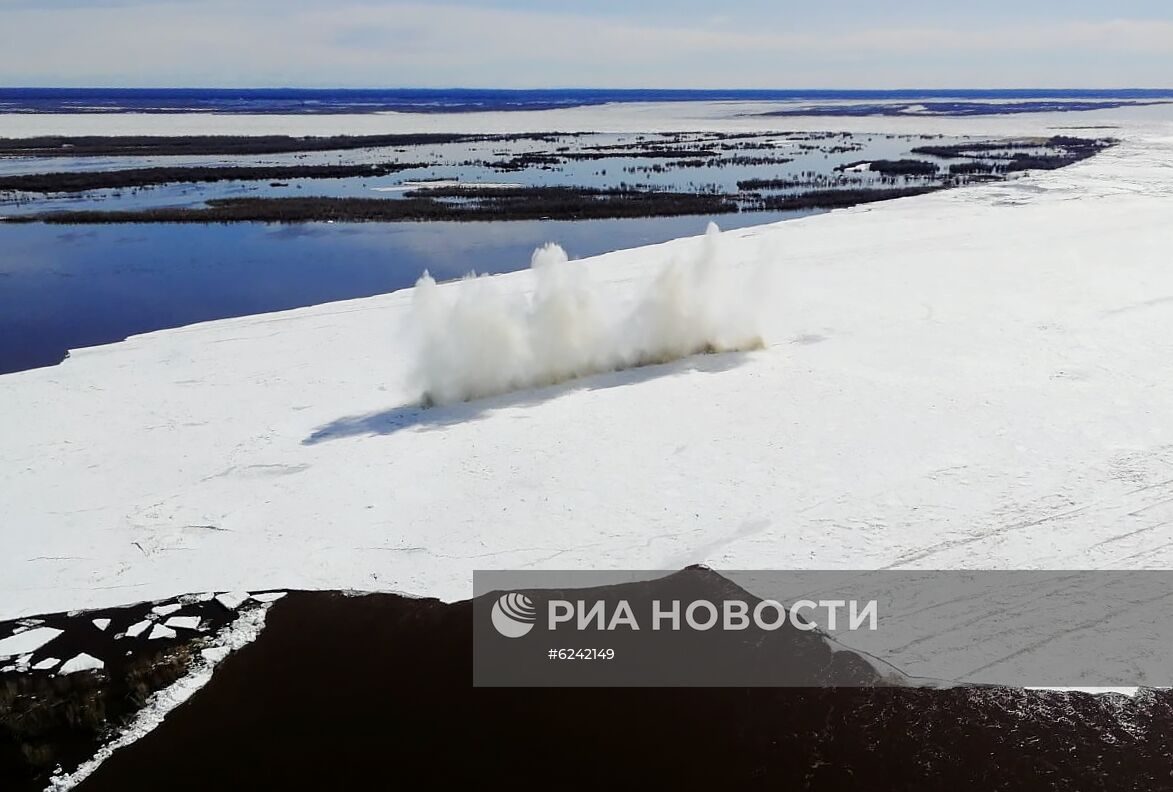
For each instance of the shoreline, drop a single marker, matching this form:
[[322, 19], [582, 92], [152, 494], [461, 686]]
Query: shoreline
[[497, 204], [332, 360], [223, 145]]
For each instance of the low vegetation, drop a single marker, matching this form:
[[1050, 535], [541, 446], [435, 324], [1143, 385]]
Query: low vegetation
[[483, 203], [206, 145], [1065, 149], [80, 181], [904, 167], [561, 203], [834, 199]]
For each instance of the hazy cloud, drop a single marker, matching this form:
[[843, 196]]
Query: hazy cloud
[[523, 44]]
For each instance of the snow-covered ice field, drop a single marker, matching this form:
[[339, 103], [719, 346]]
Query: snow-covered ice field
[[978, 378]]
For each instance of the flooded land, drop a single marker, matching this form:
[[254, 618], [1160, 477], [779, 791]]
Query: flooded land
[[491, 177]]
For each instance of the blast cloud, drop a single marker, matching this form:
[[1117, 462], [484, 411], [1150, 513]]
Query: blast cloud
[[476, 339]]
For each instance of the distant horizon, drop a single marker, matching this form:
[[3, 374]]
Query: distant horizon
[[609, 89], [333, 101]]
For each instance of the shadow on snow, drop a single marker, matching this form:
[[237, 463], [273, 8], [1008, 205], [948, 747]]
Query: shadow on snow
[[407, 416]]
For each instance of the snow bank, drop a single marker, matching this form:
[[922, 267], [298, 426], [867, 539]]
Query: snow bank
[[476, 339]]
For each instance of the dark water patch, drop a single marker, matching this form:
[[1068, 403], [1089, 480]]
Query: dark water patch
[[347, 691]]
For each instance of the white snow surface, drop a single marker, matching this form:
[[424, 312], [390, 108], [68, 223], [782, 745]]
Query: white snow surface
[[978, 378]]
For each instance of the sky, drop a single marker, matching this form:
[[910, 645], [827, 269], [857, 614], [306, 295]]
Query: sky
[[600, 44]]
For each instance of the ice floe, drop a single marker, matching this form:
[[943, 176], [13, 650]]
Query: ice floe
[[81, 662], [28, 641]]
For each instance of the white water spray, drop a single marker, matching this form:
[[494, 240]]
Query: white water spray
[[476, 339]]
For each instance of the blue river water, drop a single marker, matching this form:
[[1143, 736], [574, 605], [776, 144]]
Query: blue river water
[[64, 287]]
